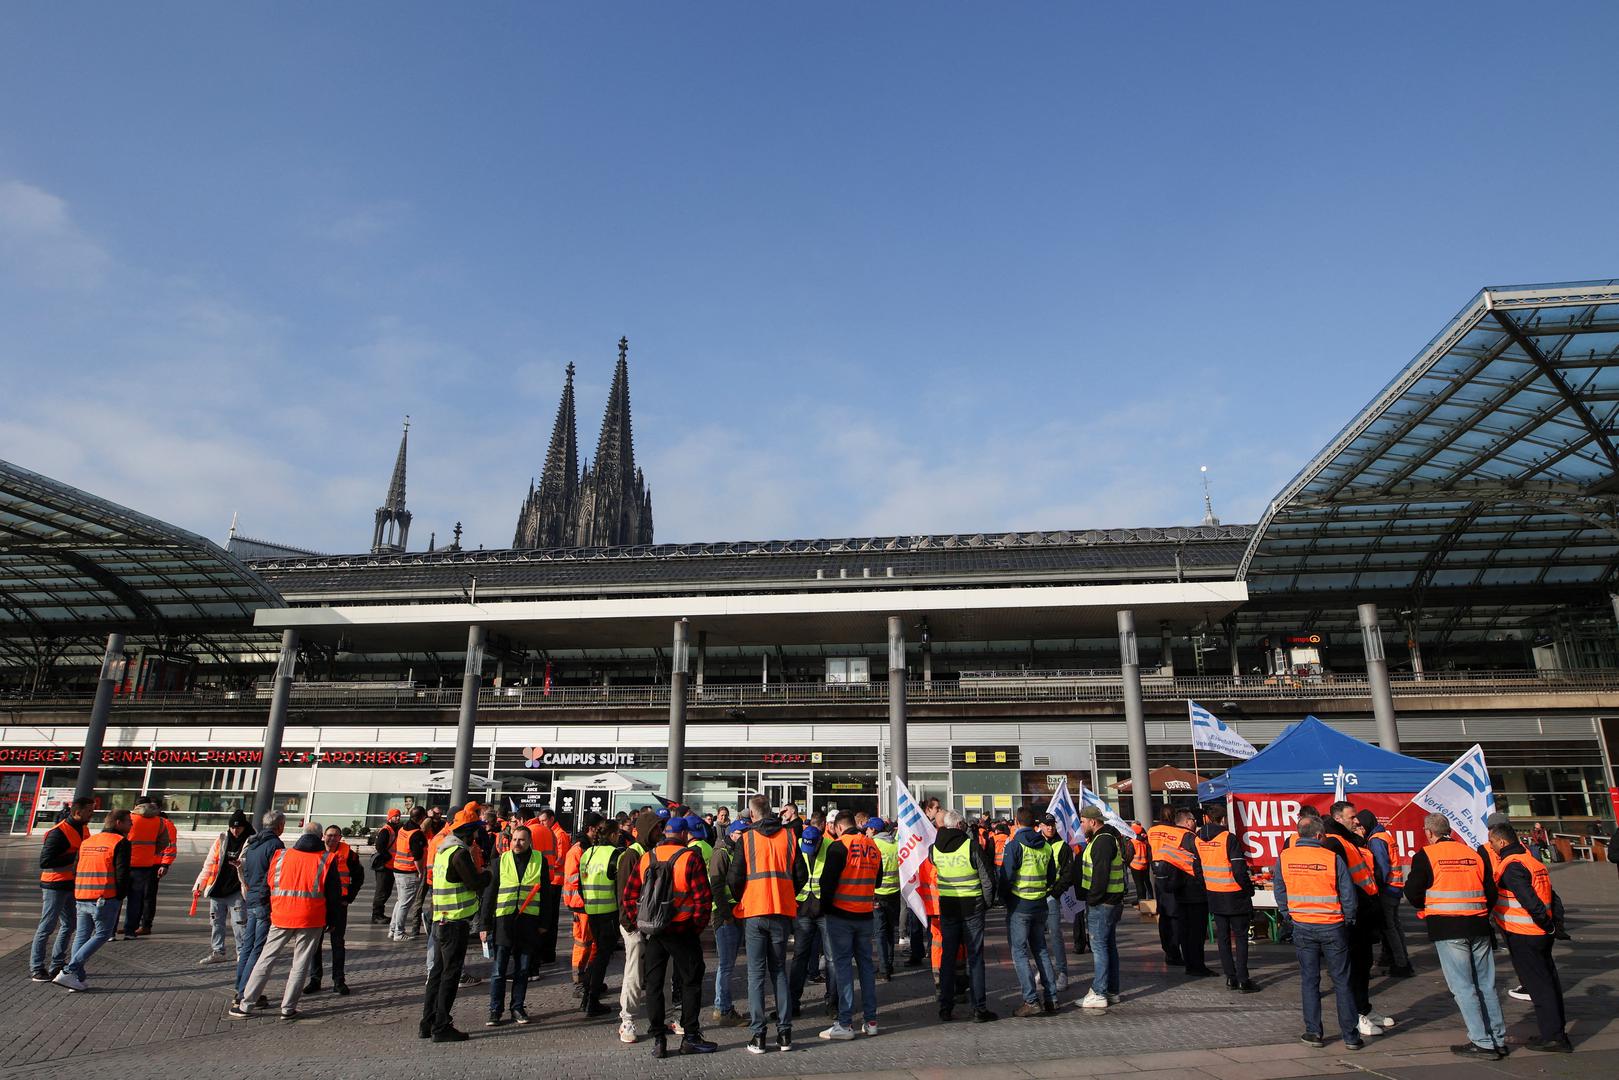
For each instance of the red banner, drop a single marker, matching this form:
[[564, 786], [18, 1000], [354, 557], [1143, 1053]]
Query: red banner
[[1264, 822]]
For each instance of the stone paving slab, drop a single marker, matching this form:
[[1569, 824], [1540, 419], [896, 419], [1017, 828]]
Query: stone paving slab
[[155, 1012]]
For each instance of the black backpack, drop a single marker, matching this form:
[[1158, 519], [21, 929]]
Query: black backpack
[[657, 907]]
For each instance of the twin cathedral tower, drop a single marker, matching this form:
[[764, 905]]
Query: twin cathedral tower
[[601, 503]]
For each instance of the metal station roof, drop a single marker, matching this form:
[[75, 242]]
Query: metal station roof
[[1489, 464], [74, 567]]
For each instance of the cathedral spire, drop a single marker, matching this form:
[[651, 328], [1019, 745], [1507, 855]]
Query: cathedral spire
[[562, 459], [615, 448], [392, 530]]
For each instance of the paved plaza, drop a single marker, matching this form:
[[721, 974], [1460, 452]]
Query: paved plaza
[[154, 1012]]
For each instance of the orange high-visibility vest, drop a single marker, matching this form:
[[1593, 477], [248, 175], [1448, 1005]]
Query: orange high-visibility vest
[[1396, 867], [93, 877], [1458, 881], [571, 896], [146, 839], [168, 848], [1141, 853], [63, 874], [342, 856], [1494, 860], [431, 853], [1311, 877], [1509, 914], [769, 886], [857, 885], [403, 862], [297, 881], [1359, 862], [1165, 841], [1000, 841], [1217, 873]]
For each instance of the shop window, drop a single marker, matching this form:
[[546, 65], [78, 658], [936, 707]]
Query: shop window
[[841, 671]]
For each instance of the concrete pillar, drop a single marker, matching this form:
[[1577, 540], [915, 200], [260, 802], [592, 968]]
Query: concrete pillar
[[702, 658], [280, 695], [467, 724], [898, 737], [927, 670], [1166, 652], [1377, 674], [1231, 640], [1413, 645], [1135, 719], [676, 781], [96, 733]]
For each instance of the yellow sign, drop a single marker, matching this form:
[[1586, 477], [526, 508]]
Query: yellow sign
[[1000, 759], [972, 802], [1003, 802], [971, 757]]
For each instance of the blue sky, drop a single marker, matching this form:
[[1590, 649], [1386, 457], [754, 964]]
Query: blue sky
[[883, 268]]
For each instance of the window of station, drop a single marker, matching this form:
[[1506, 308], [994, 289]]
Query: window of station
[[842, 671]]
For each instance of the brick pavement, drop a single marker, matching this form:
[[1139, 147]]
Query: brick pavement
[[154, 1012]]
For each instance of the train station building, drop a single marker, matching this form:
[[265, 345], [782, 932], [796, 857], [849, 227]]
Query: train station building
[[1441, 573]]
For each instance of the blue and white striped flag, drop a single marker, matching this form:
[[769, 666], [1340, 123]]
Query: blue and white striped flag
[[1463, 793], [1087, 797], [1068, 832], [1209, 732], [915, 838]]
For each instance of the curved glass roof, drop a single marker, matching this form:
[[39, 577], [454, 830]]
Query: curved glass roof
[[1491, 463], [74, 567]]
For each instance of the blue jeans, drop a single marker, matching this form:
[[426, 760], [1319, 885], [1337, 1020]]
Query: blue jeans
[[953, 933], [1026, 934], [508, 958], [807, 944], [1059, 955], [56, 915], [98, 922], [223, 918], [1321, 946], [849, 942], [140, 882], [885, 919], [1469, 968], [727, 943], [766, 937], [258, 928], [1102, 920]]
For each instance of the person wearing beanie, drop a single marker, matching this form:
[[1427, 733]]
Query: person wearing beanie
[[382, 841], [221, 884]]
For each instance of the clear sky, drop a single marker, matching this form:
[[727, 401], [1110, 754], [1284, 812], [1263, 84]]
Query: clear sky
[[884, 268]]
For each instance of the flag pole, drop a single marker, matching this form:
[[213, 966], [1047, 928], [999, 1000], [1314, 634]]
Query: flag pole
[[1193, 727]]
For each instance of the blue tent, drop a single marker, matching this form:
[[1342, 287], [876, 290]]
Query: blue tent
[[1306, 757]]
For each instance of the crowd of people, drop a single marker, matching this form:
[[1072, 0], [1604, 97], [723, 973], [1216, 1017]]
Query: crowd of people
[[653, 883]]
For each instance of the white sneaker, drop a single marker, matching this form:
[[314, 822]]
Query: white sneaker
[[1366, 1027], [676, 1027], [626, 1033], [838, 1032], [71, 981], [212, 958], [1379, 1019], [1519, 993], [1062, 984], [869, 1028], [1093, 1000]]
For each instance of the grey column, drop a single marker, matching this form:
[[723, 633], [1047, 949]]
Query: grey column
[[467, 724], [1377, 674], [898, 737], [280, 694], [676, 778], [1166, 651], [96, 733], [702, 658], [1231, 638], [1135, 719]]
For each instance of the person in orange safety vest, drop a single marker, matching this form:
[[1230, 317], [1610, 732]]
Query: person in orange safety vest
[[1526, 913], [58, 854], [304, 885], [346, 861]]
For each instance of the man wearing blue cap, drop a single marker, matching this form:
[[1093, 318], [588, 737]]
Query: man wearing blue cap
[[727, 931], [885, 917], [808, 927]]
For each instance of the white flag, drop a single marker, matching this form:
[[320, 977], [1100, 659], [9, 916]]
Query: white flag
[[1464, 795], [1338, 780], [1209, 732], [1087, 797], [1068, 832], [915, 838]]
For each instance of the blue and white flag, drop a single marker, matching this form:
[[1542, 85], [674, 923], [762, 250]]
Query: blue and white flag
[[1339, 778], [1068, 832], [1464, 795], [915, 837], [1209, 732], [1087, 797]]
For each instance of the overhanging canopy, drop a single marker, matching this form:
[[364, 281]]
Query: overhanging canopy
[[1489, 464], [1306, 757]]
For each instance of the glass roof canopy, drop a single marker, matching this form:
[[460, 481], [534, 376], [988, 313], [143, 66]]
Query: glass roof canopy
[[74, 567], [1490, 464]]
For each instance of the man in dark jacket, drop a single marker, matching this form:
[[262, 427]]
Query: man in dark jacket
[[513, 909], [382, 841], [1531, 950], [1230, 890], [727, 931], [57, 855], [1340, 833], [1099, 874], [256, 896], [350, 879], [961, 917], [456, 880], [1063, 855]]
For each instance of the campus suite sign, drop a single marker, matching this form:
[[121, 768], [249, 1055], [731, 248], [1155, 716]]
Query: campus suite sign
[[1264, 822]]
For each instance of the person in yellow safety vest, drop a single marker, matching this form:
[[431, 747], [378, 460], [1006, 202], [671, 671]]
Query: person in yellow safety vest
[[1315, 895], [1388, 869], [886, 914], [513, 903], [1028, 871], [1063, 856], [808, 926], [1526, 914], [1099, 871], [457, 886], [350, 877], [1341, 832], [598, 895], [1453, 892]]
